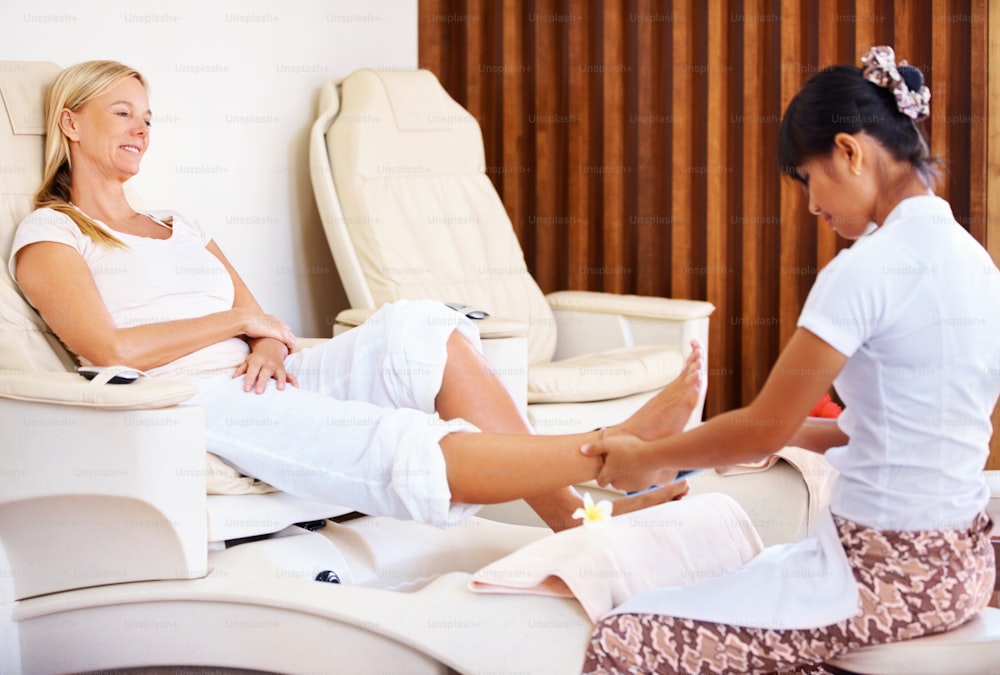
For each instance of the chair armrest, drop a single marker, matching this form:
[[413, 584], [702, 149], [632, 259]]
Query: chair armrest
[[71, 389], [589, 322], [490, 328], [636, 306], [495, 327], [92, 496], [304, 343], [351, 318]]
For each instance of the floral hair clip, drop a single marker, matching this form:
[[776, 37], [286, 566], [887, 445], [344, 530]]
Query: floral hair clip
[[880, 69]]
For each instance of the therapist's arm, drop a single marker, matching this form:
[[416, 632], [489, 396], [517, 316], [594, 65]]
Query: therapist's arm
[[819, 434]]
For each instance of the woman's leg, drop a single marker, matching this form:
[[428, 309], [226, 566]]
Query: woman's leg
[[421, 355], [471, 390], [504, 464], [377, 460]]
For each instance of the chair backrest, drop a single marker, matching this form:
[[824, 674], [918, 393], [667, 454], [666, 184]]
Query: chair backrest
[[419, 211], [26, 343]]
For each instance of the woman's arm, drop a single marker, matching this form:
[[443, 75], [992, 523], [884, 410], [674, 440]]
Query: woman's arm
[[266, 360], [804, 371], [56, 280]]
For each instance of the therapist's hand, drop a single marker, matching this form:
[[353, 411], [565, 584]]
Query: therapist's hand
[[266, 361], [627, 463]]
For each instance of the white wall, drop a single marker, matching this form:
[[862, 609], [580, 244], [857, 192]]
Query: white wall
[[233, 89]]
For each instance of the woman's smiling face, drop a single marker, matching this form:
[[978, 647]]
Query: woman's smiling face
[[109, 134]]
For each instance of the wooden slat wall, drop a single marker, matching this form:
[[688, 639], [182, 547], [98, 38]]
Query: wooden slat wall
[[991, 193], [633, 141]]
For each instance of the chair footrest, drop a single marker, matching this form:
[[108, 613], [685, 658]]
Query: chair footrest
[[971, 649]]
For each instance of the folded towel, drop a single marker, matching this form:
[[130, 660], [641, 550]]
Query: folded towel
[[223, 479], [673, 544], [816, 471]]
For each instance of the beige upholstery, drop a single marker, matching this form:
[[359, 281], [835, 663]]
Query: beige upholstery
[[26, 343], [410, 173], [400, 178]]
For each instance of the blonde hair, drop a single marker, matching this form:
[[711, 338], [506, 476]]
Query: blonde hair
[[73, 87]]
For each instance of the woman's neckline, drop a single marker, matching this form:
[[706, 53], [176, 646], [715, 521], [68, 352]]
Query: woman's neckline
[[129, 234]]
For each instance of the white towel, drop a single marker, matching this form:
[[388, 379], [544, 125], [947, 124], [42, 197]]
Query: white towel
[[804, 584]]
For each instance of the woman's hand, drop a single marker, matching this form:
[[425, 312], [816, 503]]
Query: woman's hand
[[627, 463], [266, 361], [259, 325]]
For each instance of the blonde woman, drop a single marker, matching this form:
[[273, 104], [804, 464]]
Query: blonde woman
[[400, 417]]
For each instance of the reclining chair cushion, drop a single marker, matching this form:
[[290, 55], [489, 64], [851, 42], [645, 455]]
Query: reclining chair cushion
[[422, 214], [602, 376], [26, 343]]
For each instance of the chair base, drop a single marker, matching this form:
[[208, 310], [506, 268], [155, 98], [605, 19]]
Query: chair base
[[403, 606]]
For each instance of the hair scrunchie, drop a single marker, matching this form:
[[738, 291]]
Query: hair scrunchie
[[880, 69]]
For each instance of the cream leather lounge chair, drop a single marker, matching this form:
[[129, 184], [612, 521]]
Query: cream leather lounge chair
[[113, 555], [399, 175]]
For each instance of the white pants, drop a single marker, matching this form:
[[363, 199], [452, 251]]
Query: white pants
[[360, 430]]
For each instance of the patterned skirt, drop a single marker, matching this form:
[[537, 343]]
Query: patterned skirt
[[910, 583]]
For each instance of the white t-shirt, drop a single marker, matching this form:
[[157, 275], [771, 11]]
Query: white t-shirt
[[153, 280], [915, 306]]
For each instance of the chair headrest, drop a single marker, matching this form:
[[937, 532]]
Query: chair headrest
[[419, 102], [23, 85], [22, 88], [402, 124]]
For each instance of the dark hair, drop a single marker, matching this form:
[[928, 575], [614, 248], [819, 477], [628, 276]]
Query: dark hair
[[839, 100]]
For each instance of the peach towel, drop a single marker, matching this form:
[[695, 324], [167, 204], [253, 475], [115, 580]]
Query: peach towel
[[672, 544]]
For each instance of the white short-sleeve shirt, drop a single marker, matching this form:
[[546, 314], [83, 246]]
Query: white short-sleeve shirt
[[915, 306], [153, 280]]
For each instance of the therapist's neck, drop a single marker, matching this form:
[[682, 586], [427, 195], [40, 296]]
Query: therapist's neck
[[900, 181]]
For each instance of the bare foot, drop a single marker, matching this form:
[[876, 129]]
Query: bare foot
[[557, 508], [660, 495], [667, 412], [557, 512]]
